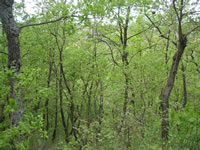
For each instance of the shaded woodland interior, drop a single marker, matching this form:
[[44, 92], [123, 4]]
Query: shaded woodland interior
[[100, 75]]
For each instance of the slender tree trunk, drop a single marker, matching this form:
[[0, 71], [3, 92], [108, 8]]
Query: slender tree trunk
[[2, 107], [56, 113], [71, 114], [101, 109], [89, 95], [165, 94], [12, 32], [166, 53], [184, 86], [47, 100], [168, 88], [61, 100], [124, 56], [125, 94]]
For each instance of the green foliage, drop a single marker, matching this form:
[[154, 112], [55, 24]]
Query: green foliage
[[25, 130], [185, 129], [27, 127], [90, 91]]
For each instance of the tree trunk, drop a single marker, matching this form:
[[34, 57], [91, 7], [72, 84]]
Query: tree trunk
[[61, 101], [124, 56], [12, 32], [47, 100], [184, 87], [89, 95], [164, 96], [56, 114], [169, 86]]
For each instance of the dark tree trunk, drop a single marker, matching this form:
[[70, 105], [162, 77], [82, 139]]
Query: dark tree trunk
[[168, 88], [89, 95], [71, 114], [12, 32], [101, 109], [2, 107], [184, 86], [125, 94], [56, 114], [124, 57], [47, 100], [61, 101], [165, 94]]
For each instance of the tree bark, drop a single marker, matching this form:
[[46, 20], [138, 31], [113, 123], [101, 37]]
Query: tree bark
[[184, 86], [61, 101], [169, 86], [165, 94], [56, 113], [47, 100], [124, 37], [89, 95], [12, 32]]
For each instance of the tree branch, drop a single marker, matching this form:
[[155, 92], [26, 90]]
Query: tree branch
[[141, 51], [56, 38], [47, 22], [161, 34], [193, 61], [189, 32], [175, 9], [120, 27], [3, 53], [115, 43], [111, 51], [138, 33]]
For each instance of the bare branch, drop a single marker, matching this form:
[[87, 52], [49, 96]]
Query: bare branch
[[189, 32], [26, 53], [115, 43], [126, 28], [120, 27], [42, 23], [66, 83], [3, 53], [197, 69], [175, 9], [47, 22], [111, 50], [193, 61], [138, 33], [141, 51], [56, 38], [161, 34], [190, 13]]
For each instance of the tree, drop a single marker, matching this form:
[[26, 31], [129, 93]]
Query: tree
[[179, 7], [14, 61]]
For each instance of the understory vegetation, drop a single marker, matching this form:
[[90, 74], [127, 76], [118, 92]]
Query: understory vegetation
[[100, 75]]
